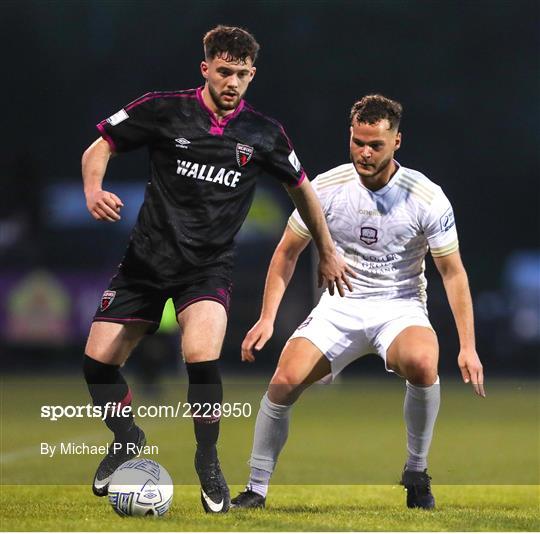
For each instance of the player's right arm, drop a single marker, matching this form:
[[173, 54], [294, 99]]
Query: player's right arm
[[102, 205], [279, 275], [130, 128]]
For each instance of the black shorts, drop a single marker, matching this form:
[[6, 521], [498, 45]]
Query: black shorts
[[130, 300]]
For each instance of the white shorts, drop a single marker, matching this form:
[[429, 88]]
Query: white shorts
[[345, 329]]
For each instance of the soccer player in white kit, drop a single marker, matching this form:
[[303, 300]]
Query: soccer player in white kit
[[383, 218]]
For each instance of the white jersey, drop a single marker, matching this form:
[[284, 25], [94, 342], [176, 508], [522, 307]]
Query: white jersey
[[384, 235]]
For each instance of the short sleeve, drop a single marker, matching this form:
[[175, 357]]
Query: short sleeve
[[324, 191], [282, 161], [132, 126], [297, 225], [440, 227]]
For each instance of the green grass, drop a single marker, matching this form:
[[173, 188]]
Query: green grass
[[339, 470], [290, 508]]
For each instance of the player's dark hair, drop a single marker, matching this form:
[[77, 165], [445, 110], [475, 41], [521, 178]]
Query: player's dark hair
[[231, 43], [374, 108]]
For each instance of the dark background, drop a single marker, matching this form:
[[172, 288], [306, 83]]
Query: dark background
[[466, 72]]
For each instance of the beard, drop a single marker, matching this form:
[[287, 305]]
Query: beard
[[220, 103], [375, 171]]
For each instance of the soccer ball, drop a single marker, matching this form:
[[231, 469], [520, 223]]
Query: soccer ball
[[141, 487]]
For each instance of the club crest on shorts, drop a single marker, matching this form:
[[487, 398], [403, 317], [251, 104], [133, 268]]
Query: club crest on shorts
[[368, 235], [106, 299], [243, 154]]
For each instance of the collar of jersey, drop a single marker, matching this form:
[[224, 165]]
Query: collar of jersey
[[387, 187], [215, 121]]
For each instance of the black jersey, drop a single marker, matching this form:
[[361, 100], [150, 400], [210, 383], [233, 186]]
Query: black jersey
[[202, 179]]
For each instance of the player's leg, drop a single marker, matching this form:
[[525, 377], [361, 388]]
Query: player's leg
[[108, 347], [203, 326], [414, 355], [300, 365], [324, 343], [129, 309]]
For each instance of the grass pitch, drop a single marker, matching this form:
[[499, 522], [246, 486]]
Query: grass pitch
[[339, 470], [289, 508]]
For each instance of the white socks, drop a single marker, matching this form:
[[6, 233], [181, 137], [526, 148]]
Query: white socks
[[420, 410], [271, 431]]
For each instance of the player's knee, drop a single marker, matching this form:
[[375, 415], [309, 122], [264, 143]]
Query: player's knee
[[284, 387], [421, 369], [285, 377]]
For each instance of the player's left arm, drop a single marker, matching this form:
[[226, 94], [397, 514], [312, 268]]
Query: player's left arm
[[332, 267], [282, 163], [456, 285]]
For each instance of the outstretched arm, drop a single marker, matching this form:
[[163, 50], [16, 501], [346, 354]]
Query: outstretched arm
[[332, 267], [457, 290], [102, 205], [278, 277]]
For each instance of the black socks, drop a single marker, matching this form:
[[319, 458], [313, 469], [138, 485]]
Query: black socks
[[107, 385], [205, 395]]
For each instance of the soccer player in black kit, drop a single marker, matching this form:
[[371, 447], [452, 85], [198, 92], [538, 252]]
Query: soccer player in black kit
[[207, 146]]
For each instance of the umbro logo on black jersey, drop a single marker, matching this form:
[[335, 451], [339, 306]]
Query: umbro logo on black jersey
[[182, 142]]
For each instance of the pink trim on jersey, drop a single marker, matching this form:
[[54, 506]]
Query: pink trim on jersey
[[277, 123], [153, 96], [135, 103], [218, 126], [216, 130], [204, 297], [303, 176], [106, 136], [126, 401], [280, 126]]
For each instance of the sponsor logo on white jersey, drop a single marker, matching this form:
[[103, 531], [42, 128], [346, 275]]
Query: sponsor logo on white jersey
[[294, 161], [117, 118], [447, 220], [370, 213], [182, 142], [208, 173]]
